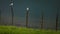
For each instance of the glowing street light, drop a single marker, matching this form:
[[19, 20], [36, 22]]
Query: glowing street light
[[27, 9], [11, 4], [11, 7], [27, 14]]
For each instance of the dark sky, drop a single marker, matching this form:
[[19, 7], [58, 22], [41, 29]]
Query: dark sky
[[36, 6]]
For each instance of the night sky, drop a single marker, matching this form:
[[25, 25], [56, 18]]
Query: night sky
[[36, 6]]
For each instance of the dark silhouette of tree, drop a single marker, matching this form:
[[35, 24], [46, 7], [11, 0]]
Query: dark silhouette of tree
[[57, 19]]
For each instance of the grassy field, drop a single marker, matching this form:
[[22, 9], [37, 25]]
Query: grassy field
[[23, 30]]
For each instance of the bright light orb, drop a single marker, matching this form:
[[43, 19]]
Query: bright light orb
[[11, 4], [27, 9]]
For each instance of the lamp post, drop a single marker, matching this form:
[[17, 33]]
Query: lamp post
[[42, 20], [27, 14], [11, 8], [57, 19], [0, 15]]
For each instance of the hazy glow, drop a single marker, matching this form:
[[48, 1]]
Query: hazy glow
[[11, 4], [27, 9]]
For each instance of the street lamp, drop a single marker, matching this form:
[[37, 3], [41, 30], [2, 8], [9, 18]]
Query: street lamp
[[27, 9], [11, 7], [27, 14]]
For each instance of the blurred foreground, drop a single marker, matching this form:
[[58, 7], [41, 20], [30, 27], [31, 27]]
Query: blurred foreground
[[24, 30]]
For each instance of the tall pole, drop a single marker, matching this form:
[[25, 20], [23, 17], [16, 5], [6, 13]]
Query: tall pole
[[11, 6], [42, 21], [0, 16], [27, 13], [57, 19]]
